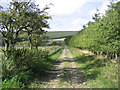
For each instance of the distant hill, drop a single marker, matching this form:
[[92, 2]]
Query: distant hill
[[60, 34]]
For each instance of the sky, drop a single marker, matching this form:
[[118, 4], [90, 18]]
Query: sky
[[70, 15]]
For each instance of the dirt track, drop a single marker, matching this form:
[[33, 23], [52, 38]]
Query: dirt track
[[66, 74]]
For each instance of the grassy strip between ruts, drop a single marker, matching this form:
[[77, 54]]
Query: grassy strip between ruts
[[100, 73], [65, 73], [56, 54]]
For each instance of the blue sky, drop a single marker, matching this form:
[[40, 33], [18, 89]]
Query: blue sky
[[70, 15]]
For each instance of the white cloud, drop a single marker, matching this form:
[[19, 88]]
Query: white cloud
[[66, 18], [95, 0], [104, 6], [59, 19], [62, 7], [101, 9], [92, 12], [79, 21]]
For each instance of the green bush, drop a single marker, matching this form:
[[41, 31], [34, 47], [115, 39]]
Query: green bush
[[24, 64], [10, 84], [24, 59], [16, 81]]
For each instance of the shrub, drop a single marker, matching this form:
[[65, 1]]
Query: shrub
[[23, 64]]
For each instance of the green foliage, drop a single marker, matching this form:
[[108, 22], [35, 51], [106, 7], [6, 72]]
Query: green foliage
[[24, 65], [103, 36], [10, 84], [24, 59], [21, 17], [67, 39], [19, 65], [17, 81]]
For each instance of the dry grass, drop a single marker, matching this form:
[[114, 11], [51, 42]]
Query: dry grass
[[78, 52], [49, 48], [86, 52], [43, 47], [62, 39]]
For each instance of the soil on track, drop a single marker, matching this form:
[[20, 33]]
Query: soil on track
[[71, 77]]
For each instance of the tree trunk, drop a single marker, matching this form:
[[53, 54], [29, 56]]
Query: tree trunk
[[30, 45], [30, 40], [6, 50], [36, 47], [6, 46], [116, 57]]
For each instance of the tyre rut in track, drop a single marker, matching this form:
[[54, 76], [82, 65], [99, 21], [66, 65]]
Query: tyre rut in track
[[74, 79]]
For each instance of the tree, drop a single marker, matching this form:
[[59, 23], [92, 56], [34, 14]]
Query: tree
[[103, 36], [12, 23], [96, 16], [37, 21], [37, 39], [84, 27], [21, 16]]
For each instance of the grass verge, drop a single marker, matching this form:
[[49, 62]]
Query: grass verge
[[100, 73]]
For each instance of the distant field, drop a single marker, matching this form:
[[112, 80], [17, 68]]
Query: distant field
[[60, 34], [59, 39]]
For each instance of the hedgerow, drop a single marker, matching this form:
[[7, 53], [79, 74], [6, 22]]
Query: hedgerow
[[103, 35]]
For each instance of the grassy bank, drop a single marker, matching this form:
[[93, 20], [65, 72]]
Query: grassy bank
[[100, 72]]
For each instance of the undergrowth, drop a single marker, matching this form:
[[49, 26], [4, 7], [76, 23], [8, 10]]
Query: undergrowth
[[24, 66]]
